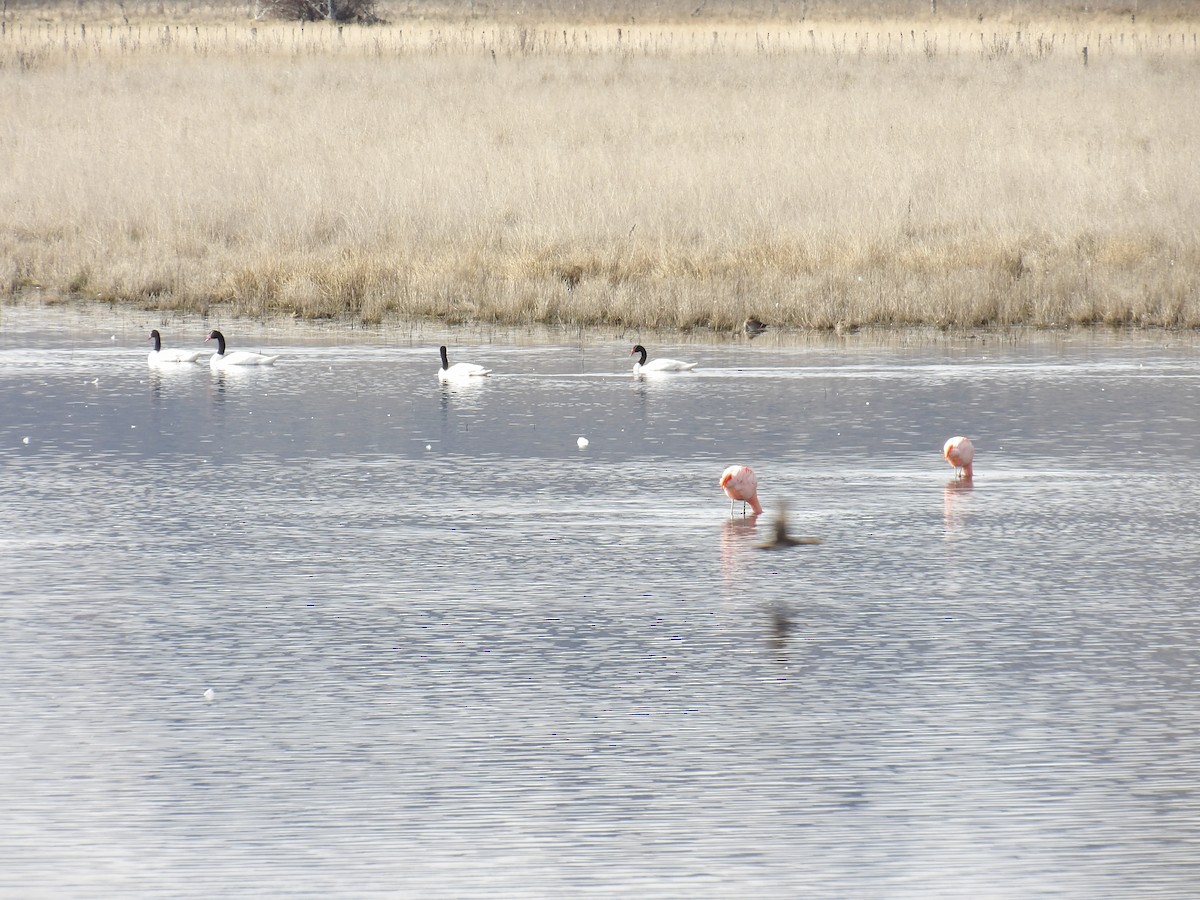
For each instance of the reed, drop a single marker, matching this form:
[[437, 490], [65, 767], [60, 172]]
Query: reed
[[814, 175], [625, 12]]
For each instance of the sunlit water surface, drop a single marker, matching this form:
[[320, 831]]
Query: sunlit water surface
[[452, 654]]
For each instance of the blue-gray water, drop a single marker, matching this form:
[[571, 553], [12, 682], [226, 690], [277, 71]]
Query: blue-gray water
[[453, 655]]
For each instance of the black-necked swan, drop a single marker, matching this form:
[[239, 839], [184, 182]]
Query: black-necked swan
[[221, 359], [657, 365], [159, 355], [459, 370]]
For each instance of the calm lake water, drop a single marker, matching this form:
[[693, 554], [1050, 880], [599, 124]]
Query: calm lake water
[[453, 655]]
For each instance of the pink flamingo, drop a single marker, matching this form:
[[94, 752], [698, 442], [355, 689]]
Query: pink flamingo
[[740, 483], [959, 452]]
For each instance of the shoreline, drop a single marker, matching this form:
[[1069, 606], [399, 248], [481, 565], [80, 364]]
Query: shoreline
[[130, 322]]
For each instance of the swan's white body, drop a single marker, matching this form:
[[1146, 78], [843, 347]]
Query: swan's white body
[[240, 358], [160, 357], [657, 365], [459, 371], [463, 370], [223, 360], [171, 357]]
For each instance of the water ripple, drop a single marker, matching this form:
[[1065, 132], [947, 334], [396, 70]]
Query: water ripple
[[451, 654]]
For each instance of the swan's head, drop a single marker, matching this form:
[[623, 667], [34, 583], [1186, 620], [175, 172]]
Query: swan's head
[[154, 335], [639, 349], [445, 358], [215, 336]]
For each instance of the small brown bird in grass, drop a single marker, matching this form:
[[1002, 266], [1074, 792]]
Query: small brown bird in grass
[[753, 327]]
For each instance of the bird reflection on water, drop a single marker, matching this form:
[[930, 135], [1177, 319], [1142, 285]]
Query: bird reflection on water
[[736, 535], [956, 497], [779, 619], [463, 393]]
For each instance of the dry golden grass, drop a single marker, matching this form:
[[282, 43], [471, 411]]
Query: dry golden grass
[[1101, 13], [667, 176]]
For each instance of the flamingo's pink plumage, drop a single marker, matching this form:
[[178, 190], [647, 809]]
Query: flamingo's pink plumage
[[740, 483], [960, 453]]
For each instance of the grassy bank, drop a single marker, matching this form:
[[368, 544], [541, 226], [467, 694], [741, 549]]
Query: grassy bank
[[942, 172]]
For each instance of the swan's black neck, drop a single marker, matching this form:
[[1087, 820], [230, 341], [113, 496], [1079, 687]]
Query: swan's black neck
[[220, 339], [445, 358], [640, 350], [157, 338]]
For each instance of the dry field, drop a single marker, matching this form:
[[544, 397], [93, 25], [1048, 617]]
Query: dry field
[[682, 174]]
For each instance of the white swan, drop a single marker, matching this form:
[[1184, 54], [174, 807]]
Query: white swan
[[222, 360], [158, 355], [459, 370], [658, 365]]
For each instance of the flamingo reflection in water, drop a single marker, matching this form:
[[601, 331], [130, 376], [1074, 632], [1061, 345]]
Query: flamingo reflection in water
[[956, 507], [737, 542]]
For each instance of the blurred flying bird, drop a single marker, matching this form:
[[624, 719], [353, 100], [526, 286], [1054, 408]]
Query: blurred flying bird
[[779, 537]]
